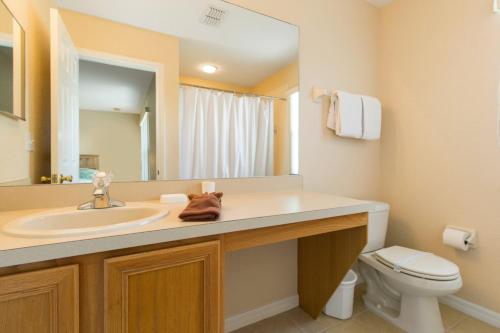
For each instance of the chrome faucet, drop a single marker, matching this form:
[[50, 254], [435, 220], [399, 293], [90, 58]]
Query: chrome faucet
[[101, 200]]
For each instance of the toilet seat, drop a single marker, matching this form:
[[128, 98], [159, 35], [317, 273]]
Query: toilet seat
[[419, 264]]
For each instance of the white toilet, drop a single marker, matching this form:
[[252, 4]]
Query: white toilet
[[403, 285]]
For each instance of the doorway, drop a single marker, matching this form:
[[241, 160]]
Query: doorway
[[117, 114], [66, 157]]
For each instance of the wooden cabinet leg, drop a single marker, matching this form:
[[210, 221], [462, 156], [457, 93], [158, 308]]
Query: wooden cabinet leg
[[323, 261]]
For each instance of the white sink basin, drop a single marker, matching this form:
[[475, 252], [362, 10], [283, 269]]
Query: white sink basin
[[72, 222]]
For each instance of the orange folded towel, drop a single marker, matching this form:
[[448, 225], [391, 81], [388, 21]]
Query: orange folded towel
[[202, 207]]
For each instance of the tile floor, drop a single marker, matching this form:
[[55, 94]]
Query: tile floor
[[362, 321]]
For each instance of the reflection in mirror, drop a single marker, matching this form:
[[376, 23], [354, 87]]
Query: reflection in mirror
[[204, 90], [14, 132], [117, 120], [11, 65], [6, 78]]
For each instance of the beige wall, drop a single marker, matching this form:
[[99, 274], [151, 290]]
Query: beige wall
[[440, 68], [33, 15], [116, 138], [89, 32]]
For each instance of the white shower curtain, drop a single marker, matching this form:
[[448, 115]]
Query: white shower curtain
[[223, 135]]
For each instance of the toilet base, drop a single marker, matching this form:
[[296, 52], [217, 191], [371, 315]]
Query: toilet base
[[417, 314]]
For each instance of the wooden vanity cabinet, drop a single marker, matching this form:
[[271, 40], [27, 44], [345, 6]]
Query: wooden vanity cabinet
[[171, 290], [43, 301], [171, 287]]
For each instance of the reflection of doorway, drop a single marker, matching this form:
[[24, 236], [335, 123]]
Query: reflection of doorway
[[156, 162], [65, 60], [116, 104]]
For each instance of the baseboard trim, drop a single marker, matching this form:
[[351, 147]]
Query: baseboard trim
[[480, 313], [247, 318], [244, 319]]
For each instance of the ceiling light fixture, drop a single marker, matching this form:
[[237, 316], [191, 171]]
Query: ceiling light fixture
[[209, 69]]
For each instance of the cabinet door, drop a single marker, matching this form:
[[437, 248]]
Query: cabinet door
[[175, 290], [40, 302]]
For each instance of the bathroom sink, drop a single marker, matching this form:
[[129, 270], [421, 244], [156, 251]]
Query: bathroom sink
[[67, 222]]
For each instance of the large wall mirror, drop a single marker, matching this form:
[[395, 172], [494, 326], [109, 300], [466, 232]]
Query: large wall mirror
[[167, 89]]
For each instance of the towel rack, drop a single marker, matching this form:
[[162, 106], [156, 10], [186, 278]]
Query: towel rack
[[318, 93]]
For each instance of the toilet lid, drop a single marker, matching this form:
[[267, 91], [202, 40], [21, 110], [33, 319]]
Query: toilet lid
[[417, 263]]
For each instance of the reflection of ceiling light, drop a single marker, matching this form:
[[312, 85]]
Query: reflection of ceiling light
[[209, 69]]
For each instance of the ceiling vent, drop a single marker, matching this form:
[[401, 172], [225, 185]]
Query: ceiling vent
[[213, 16]]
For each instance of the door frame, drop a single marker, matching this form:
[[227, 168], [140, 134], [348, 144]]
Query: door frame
[[144, 126], [288, 95], [161, 120]]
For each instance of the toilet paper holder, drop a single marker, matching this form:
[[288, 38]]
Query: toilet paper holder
[[471, 240]]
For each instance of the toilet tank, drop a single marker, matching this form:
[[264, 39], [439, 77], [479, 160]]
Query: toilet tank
[[378, 219]]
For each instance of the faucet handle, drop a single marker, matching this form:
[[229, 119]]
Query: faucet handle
[[101, 182], [99, 191], [102, 179]]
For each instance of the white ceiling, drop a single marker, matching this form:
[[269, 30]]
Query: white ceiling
[[105, 87], [246, 46], [379, 3]]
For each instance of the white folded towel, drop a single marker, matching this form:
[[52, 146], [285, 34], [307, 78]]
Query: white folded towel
[[372, 118], [345, 116]]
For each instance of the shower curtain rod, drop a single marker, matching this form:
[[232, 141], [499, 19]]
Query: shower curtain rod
[[233, 92]]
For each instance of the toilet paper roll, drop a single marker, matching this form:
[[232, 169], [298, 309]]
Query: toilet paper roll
[[456, 238]]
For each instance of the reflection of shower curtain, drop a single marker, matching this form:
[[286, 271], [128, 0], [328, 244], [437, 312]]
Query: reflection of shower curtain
[[223, 135]]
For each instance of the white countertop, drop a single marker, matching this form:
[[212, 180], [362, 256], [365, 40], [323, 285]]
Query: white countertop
[[239, 212]]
